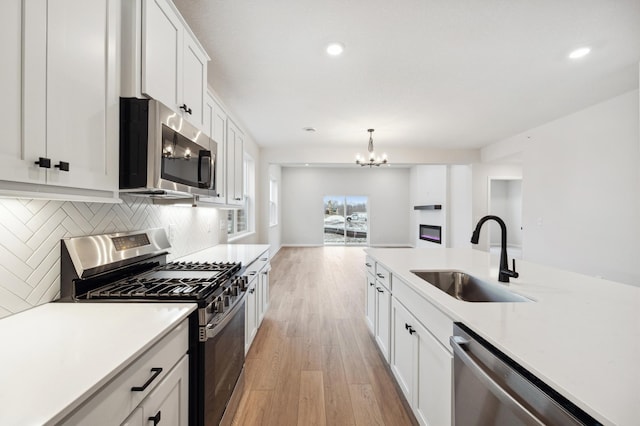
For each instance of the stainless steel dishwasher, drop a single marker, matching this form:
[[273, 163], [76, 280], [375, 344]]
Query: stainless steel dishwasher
[[491, 389]]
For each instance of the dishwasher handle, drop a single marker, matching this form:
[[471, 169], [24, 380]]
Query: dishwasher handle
[[518, 409]]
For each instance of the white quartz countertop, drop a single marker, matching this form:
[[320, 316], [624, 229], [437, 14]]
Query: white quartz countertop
[[56, 355], [581, 336], [245, 253]]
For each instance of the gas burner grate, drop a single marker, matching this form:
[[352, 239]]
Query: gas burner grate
[[144, 288], [229, 267]]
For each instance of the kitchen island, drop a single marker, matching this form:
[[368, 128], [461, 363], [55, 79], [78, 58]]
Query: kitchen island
[[579, 334]]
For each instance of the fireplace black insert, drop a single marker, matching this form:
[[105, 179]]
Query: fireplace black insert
[[431, 233]]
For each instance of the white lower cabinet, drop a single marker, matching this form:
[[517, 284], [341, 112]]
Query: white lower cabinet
[[422, 367], [156, 382], [168, 404], [263, 303], [251, 314], [383, 319], [370, 308], [257, 300]]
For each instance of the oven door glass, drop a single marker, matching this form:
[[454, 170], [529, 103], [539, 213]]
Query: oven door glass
[[223, 363], [184, 161]]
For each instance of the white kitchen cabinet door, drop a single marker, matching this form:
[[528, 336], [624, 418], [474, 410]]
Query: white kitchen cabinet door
[[82, 97], [194, 80], [219, 134], [168, 404], [235, 159], [263, 304], [403, 351], [370, 308], [62, 88], [433, 400], [215, 124], [162, 42], [20, 146], [383, 319], [251, 318]]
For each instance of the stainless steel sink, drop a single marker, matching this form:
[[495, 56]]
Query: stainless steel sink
[[466, 287]]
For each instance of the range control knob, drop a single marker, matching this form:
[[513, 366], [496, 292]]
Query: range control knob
[[235, 289], [218, 306]]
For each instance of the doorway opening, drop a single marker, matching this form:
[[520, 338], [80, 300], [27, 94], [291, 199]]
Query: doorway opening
[[505, 201], [346, 220]]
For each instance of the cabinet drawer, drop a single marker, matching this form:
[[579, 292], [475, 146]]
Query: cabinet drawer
[[383, 276], [370, 264], [440, 325], [116, 400], [258, 264]]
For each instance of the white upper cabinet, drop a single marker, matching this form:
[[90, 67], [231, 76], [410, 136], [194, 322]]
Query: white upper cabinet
[[215, 124], [174, 65], [235, 164], [61, 81]]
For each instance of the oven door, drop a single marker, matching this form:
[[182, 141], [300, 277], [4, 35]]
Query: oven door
[[223, 362]]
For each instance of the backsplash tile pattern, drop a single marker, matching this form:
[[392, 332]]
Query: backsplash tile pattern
[[30, 233]]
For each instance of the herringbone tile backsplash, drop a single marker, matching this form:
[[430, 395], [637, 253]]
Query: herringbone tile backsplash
[[30, 233]]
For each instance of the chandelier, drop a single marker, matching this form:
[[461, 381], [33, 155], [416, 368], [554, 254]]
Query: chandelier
[[372, 160]]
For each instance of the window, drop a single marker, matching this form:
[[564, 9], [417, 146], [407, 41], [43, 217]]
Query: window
[[273, 202], [240, 221], [345, 220]]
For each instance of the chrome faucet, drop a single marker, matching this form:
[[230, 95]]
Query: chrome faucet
[[504, 271]]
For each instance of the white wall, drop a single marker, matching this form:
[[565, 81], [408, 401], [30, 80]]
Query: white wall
[[275, 231], [459, 206], [506, 203], [482, 173], [303, 189], [581, 190], [582, 203], [429, 186]]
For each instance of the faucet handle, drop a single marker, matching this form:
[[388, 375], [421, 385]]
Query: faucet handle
[[514, 273]]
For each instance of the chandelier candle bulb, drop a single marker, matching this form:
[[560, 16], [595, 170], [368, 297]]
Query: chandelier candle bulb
[[373, 160]]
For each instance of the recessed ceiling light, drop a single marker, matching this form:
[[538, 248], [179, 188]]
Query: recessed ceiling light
[[306, 164], [579, 53], [335, 49], [309, 129]]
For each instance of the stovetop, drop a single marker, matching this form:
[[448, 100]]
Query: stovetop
[[172, 281]]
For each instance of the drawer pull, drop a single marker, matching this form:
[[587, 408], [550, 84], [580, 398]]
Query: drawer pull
[[264, 259], [380, 275], [371, 284], [368, 265], [379, 290], [155, 419], [156, 372]]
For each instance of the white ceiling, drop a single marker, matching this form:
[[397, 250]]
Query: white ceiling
[[438, 74]]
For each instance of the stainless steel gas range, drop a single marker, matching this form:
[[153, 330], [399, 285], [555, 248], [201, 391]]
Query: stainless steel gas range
[[133, 267]]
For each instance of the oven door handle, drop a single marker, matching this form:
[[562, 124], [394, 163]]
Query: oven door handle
[[213, 330]]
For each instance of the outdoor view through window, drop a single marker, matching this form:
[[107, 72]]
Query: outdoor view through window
[[346, 219]]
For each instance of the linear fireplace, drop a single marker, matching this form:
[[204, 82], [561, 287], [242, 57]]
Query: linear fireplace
[[431, 233]]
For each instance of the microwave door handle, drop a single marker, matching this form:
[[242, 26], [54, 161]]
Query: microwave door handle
[[212, 173], [202, 156]]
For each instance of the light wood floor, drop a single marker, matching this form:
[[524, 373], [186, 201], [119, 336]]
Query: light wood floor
[[313, 361]]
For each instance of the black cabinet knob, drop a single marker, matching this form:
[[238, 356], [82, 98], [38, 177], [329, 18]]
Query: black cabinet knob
[[155, 419], [43, 162], [186, 109], [63, 166]]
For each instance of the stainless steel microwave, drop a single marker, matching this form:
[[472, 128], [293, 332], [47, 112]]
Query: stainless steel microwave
[[162, 155]]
